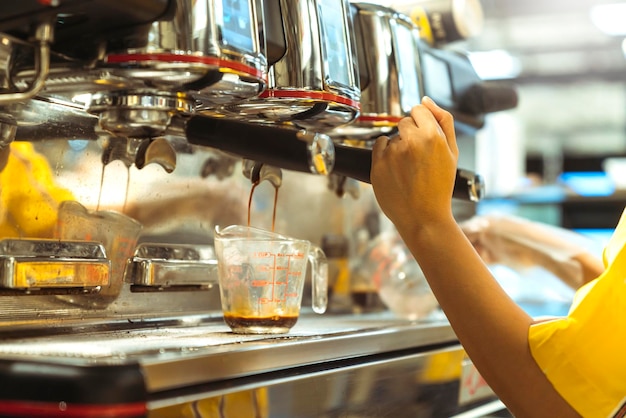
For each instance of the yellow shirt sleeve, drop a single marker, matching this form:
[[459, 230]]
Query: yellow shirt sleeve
[[584, 354]]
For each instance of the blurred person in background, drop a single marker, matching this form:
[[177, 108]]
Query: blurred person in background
[[563, 367], [29, 194]]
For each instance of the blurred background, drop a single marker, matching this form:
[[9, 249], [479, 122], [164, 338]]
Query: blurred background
[[559, 155]]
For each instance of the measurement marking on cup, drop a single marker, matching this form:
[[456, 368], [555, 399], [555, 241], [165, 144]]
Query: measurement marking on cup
[[275, 281], [259, 283]]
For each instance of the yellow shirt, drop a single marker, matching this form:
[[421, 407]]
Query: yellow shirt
[[584, 354]]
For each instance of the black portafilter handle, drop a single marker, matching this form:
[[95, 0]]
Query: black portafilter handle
[[274, 145], [298, 150], [356, 163]]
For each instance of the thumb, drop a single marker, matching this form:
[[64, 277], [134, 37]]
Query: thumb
[[443, 118], [434, 108]]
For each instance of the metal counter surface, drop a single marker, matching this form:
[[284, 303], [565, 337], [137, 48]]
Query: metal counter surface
[[200, 349]]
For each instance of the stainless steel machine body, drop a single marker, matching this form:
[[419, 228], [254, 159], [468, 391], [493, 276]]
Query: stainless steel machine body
[[162, 99], [367, 366], [313, 78], [388, 68]]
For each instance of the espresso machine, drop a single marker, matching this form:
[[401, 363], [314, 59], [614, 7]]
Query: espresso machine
[[112, 311]]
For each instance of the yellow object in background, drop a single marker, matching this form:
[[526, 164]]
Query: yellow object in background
[[443, 367], [420, 19], [251, 403], [29, 195]]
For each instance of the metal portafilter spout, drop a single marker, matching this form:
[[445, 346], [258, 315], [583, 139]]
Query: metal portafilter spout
[[302, 151]]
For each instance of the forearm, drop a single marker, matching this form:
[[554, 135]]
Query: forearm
[[491, 327], [521, 243], [413, 177], [591, 265], [520, 256], [579, 269]]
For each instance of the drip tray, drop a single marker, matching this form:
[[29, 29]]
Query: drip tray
[[200, 349], [143, 339]]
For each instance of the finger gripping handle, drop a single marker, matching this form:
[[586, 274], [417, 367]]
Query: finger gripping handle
[[356, 163]]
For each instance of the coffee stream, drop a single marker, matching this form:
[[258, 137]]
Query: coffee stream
[[254, 185], [244, 322], [102, 187]]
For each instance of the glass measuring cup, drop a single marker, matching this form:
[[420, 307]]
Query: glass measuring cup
[[261, 276], [117, 232]]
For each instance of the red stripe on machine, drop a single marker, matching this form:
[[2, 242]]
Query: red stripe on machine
[[372, 118], [61, 409], [312, 95], [197, 59]]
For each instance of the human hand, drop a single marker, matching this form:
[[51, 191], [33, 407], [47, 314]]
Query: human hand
[[413, 174]]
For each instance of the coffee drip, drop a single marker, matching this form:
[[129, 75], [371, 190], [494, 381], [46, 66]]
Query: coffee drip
[[257, 173]]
